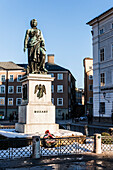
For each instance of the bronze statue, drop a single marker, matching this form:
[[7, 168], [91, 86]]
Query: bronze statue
[[41, 89], [36, 49]]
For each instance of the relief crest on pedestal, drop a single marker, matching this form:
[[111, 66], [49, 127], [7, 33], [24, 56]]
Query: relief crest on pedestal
[[40, 90]]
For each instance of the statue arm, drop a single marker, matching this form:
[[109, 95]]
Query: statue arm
[[26, 40]]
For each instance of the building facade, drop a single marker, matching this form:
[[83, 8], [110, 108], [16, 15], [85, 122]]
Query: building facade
[[79, 108], [88, 85], [10, 89], [102, 37], [63, 89]]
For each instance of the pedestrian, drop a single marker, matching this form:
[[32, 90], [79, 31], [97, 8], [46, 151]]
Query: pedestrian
[[62, 116]]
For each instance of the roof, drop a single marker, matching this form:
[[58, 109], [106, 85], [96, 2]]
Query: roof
[[10, 66], [54, 67], [49, 67], [101, 16]]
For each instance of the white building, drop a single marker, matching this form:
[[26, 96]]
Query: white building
[[102, 39]]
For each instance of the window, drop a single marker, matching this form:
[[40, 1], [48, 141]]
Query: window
[[2, 89], [112, 50], [102, 107], [90, 67], [59, 76], [101, 31], [11, 78], [102, 79], [90, 87], [112, 25], [59, 101], [91, 100], [2, 78], [11, 89], [18, 101], [102, 54], [90, 77], [2, 101], [59, 88], [10, 101], [19, 77], [19, 89], [52, 75], [52, 88], [52, 100], [69, 77]]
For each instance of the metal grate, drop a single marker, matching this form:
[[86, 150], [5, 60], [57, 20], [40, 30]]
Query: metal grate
[[15, 148], [107, 143], [68, 145]]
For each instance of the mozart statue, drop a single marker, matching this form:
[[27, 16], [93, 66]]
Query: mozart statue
[[35, 44]]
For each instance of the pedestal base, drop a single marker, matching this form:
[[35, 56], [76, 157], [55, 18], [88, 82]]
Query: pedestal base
[[34, 128]]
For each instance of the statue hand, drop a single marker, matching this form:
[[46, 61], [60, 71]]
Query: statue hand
[[24, 49]]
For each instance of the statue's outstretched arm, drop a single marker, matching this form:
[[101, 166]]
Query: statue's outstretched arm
[[26, 40]]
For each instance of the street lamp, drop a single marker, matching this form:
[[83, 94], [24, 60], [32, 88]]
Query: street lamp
[[104, 94]]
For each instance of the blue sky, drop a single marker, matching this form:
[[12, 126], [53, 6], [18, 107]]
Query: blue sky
[[63, 24]]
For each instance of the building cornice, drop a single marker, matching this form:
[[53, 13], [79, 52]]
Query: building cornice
[[100, 17]]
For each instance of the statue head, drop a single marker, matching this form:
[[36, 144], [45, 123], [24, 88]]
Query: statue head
[[33, 23]]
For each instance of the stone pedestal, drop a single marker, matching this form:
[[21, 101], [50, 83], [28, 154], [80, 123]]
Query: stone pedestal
[[37, 113]]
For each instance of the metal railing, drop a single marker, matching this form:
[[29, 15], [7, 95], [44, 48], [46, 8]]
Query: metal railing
[[23, 147], [66, 146], [107, 143], [15, 148]]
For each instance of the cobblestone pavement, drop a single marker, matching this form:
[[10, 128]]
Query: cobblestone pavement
[[73, 162]]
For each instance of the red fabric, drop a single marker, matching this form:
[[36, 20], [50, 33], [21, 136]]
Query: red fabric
[[47, 131]]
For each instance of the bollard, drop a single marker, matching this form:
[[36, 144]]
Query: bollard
[[36, 147], [68, 126], [86, 130], [111, 131], [97, 143]]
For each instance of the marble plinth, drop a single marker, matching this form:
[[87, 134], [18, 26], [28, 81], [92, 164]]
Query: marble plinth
[[36, 114]]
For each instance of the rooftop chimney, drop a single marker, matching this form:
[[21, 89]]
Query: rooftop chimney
[[51, 58]]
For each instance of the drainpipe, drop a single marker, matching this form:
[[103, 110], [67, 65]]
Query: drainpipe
[[6, 94]]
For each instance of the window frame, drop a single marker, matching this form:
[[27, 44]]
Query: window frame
[[90, 86], [58, 76], [18, 80], [58, 102], [102, 108], [17, 100], [17, 89], [112, 50], [90, 100], [4, 78], [8, 89], [52, 74], [101, 31], [52, 88], [102, 55], [8, 102], [10, 79], [4, 101], [4, 89], [102, 83], [61, 88]]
